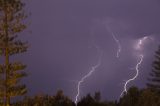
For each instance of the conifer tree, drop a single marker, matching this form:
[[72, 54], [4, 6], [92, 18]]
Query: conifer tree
[[12, 23], [154, 79]]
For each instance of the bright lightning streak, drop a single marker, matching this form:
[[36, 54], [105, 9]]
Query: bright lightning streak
[[119, 45], [138, 47], [116, 40], [140, 43], [93, 69], [132, 79]]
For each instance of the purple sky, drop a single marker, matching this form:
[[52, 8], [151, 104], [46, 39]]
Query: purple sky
[[62, 48]]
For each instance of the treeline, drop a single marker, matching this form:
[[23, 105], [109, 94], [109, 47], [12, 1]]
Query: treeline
[[134, 97]]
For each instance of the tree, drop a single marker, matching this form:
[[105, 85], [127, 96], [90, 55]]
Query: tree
[[46, 100], [148, 98], [62, 100], [97, 96], [131, 98], [86, 101], [154, 79], [12, 23]]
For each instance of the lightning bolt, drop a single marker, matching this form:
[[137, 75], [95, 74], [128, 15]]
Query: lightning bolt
[[93, 69], [138, 47], [140, 43], [118, 43], [116, 40], [132, 79]]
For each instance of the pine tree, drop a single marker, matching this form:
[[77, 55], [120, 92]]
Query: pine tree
[[12, 23], [154, 79]]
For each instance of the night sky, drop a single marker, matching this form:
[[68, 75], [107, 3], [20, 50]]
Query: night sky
[[63, 43]]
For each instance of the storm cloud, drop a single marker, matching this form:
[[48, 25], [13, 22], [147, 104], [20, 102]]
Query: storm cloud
[[64, 33]]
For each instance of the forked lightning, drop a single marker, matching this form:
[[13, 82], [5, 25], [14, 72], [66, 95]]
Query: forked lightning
[[141, 56], [93, 69]]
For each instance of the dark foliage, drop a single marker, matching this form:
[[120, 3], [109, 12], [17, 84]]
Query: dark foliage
[[45, 100], [134, 97], [154, 79]]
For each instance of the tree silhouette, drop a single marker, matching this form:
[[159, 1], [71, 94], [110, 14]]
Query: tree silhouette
[[131, 98], [97, 96], [86, 101], [148, 98], [154, 79], [11, 25]]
